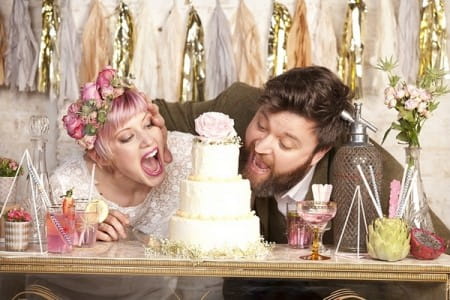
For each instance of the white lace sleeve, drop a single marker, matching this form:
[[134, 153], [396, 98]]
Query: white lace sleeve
[[71, 174]]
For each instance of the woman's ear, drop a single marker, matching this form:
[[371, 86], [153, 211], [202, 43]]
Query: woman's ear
[[99, 161]]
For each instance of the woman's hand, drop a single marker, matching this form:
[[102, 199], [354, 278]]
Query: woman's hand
[[158, 121], [113, 228]]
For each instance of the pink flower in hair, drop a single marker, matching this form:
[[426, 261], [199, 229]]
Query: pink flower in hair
[[90, 91], [73, 125], [88, 141]]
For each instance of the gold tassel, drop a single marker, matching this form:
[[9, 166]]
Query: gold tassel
[[48, 73], [123, 42], [432, 37], [3, 48], [350, 66], [193, 66], [96, 44], [278, 32], [299, 42]]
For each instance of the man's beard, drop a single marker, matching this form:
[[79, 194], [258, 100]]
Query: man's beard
[[276, 183]]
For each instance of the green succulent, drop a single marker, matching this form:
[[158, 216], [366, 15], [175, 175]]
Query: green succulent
[[388, 239]]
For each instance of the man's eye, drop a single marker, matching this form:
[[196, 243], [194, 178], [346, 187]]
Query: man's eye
[[285, 146]]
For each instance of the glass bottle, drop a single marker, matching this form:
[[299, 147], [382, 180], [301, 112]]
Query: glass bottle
[[345, 178], [38, 128], [417, 211]]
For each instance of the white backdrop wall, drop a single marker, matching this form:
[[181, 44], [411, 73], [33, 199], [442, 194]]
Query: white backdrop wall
[[16, 108]]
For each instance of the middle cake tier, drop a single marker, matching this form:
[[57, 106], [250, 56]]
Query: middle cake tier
[[211, 199]]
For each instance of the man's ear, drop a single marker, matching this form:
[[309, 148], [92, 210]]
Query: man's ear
[[319, 155]]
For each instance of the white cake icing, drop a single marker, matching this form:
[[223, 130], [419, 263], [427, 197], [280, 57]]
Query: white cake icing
[[214, 160], [215, 198], [214, 210]]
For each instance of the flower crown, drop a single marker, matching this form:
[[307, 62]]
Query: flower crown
[[87, 115]]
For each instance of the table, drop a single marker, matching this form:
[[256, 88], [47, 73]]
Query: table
[[128, 258]]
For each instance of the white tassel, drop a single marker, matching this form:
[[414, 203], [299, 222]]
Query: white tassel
[[145, 62], [22, 56], [69, 54], [385, 45], [323, 36], [408, 39], [171, 54], [220, 67], [250, 62]]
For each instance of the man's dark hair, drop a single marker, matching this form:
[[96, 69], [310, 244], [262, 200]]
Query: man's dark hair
[[315, 93]]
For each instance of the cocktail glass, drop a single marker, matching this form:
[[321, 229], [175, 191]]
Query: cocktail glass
[[316, 214], [60, 230]]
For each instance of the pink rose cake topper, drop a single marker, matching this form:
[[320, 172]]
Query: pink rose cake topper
[[215, 125], [88, 114]]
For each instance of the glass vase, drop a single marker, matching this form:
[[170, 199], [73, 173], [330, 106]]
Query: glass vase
[[417, 210]]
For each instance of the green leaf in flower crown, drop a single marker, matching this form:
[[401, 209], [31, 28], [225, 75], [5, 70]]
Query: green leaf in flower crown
[[89, 129], [101, 116]]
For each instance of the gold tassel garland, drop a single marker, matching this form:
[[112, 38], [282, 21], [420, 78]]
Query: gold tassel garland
[[350, 66], [48, 73], [298, 41], [96, 44], [123, 41], [3, 47], [247, 48], [278, 32], [432, 37], [193, 66]]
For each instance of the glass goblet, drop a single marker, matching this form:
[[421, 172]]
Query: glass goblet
[[317, 215]]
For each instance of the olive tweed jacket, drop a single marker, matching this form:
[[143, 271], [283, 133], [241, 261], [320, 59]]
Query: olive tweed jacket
[[239, 102]]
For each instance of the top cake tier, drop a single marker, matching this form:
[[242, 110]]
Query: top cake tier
[[213, 160]]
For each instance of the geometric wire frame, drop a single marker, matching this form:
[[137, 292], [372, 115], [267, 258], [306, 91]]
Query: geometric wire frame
[[34, 182], [360, 208]]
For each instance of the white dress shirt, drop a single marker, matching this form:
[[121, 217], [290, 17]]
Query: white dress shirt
[[296, 193]]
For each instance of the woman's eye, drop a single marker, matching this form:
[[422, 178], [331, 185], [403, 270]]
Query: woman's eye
[[260, 126], [125, 139], [285, 146], [149, 125]]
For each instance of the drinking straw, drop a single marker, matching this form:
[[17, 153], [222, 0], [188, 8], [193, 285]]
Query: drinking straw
[[60, 229], [91, 185], [374, 183], [377, 208], [402, 205]]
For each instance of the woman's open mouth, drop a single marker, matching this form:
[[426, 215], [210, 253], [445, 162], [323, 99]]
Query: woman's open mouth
[[151, 163]]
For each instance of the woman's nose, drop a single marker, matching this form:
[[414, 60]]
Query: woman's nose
[[264, 145], [147, 140]]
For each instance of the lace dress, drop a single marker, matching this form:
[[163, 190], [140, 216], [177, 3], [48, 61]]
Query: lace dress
[[151, 216]]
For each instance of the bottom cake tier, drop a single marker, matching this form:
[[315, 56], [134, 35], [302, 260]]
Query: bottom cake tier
[[215, 234]]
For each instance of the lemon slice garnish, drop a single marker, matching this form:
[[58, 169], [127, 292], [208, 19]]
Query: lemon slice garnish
[[100, 207]]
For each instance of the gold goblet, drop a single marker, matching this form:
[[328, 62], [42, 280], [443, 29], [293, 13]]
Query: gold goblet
[[316, 214]]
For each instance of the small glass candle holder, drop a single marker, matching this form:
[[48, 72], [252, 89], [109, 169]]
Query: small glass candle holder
[[298, 232]]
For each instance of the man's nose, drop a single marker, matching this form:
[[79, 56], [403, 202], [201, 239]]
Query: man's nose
[[264, 144]]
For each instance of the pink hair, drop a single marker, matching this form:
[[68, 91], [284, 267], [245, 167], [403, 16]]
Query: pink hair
[[123, 108]]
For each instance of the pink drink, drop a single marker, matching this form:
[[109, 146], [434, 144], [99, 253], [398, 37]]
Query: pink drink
[[60, 232], [318, 218], [298, 233], [85, 229]]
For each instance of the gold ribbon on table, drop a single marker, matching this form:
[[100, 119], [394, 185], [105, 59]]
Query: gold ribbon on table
[[193, 66], [123, 47], [432, 37], [279, 29], [48, 71], [350, 64]]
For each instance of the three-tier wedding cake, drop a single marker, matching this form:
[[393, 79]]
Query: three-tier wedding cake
[[214, 211]]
